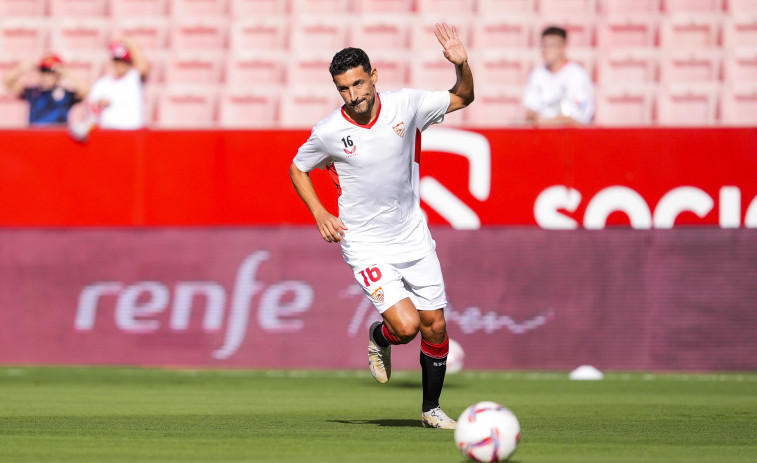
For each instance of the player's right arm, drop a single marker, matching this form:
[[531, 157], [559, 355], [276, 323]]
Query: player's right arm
[[11, 80], [331, 228]]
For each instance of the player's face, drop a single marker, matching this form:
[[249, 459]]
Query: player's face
[[358, 89], [552, 49]]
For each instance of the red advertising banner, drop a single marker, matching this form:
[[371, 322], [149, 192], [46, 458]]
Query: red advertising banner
[[555, 179], [279, 297]]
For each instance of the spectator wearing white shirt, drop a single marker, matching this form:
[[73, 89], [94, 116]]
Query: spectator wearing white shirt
[[560, 92]]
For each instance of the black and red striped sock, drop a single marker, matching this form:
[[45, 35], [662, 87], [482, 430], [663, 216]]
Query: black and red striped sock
[[383, 337], [433, 368]]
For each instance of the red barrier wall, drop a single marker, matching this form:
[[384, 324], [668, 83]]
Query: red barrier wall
[[564, 178], [280, 297]]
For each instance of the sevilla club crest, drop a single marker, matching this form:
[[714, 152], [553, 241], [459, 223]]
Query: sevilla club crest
[[399, 129], [378, 295]]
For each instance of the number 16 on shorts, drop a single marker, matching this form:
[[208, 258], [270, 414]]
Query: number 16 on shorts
[[369, 278]]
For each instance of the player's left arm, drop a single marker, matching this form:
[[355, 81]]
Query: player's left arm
[[461, 94]]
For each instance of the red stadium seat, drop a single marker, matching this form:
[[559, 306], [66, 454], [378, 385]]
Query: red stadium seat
[[150, 33], [577, 7], [22, 8], [628, 66], [586, 57], [28, 36], [637, 31], [248, 109], [140, 8], [739, 105], [740, 31], [393, 68], [198, 34], [250, 8], [303, 107], [687, 104], [505, 67], [431, 71], [80, 34], [581, 29], [692, 6], [14, 113], [496, 107], [191, 67], [628, 7], [678, 66], [197, 8], [690, 31], [381, 32], [309, 69], [383, 6], [157, 60], [422, 36], [740, 66], [631, 105], [445, 8], [499, 32], [89, 65], [270, 33], [304, 8], [187, 107], [319, 33], [736, 7], [497, 7], [266, 68], [77, 8]]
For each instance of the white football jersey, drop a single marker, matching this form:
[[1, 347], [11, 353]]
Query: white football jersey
[[377, 168], [567, 92]]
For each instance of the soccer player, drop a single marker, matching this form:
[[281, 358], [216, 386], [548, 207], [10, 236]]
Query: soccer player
[[371, 147]]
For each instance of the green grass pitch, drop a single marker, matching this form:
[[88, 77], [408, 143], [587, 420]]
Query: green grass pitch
[[155, 415]]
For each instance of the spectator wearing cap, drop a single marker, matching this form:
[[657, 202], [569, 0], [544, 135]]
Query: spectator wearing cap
[[49, 101], [119, 97]]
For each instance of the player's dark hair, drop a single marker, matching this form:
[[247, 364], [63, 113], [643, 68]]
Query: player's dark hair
[[347, 59], [554, 30]]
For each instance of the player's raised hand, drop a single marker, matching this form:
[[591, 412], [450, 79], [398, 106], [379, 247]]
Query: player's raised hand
[[454, 50], [331, 228]]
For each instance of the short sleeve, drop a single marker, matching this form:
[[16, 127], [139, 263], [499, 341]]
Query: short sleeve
[[312, 154], [431, 107]]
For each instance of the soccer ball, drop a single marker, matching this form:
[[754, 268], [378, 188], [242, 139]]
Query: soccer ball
[[487, 431], [455, 357]]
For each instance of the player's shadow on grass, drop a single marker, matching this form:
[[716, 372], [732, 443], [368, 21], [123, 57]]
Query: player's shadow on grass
[[389, 423]]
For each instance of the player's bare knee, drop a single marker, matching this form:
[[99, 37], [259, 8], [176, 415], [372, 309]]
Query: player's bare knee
[[407, 333]]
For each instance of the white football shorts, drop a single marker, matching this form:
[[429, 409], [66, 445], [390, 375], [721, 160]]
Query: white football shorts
[[420, 280]]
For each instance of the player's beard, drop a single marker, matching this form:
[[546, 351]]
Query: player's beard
[[366, 108]]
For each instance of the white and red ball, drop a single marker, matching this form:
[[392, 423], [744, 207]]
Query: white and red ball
[[487, 431], [455, 357]]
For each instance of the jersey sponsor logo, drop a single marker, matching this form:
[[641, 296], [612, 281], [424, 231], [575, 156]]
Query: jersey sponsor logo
[[399, 129], [378, 295], [350, 152]]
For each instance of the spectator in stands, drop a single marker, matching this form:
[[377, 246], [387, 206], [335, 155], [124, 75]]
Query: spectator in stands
[[49, 101], [559, 93], [119, 97]]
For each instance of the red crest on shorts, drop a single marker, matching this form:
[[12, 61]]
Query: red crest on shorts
[[399, 129]]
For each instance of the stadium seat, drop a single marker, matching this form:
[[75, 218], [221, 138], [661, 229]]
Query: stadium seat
[[628, 66], [496, 107], [319, 33], [14, 113], [500, 32], [77, 8], [250, 8], [197, 8], [586, 57], [740, 31], [24, 35], [255, 68], [198, 34], [268, 33], [736, 7], [304, 8], [690, 31], [89, 65], [248, 109], [679, 66], [503, 68], [423, 39], [692, 6], [628, 7], [573, 7], [580, 29], [393, 68], [383, 6], [309, 69], [618, 105], [628, 31], [431, 71], [157, 60], [140, 8], [150, 33], [303, 107], [739, 104], [80, 34], [191, 67], [22, 8], [687, 105], [498, 7], [445, 8], [187, 107], [740, 66], [380, 32]]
